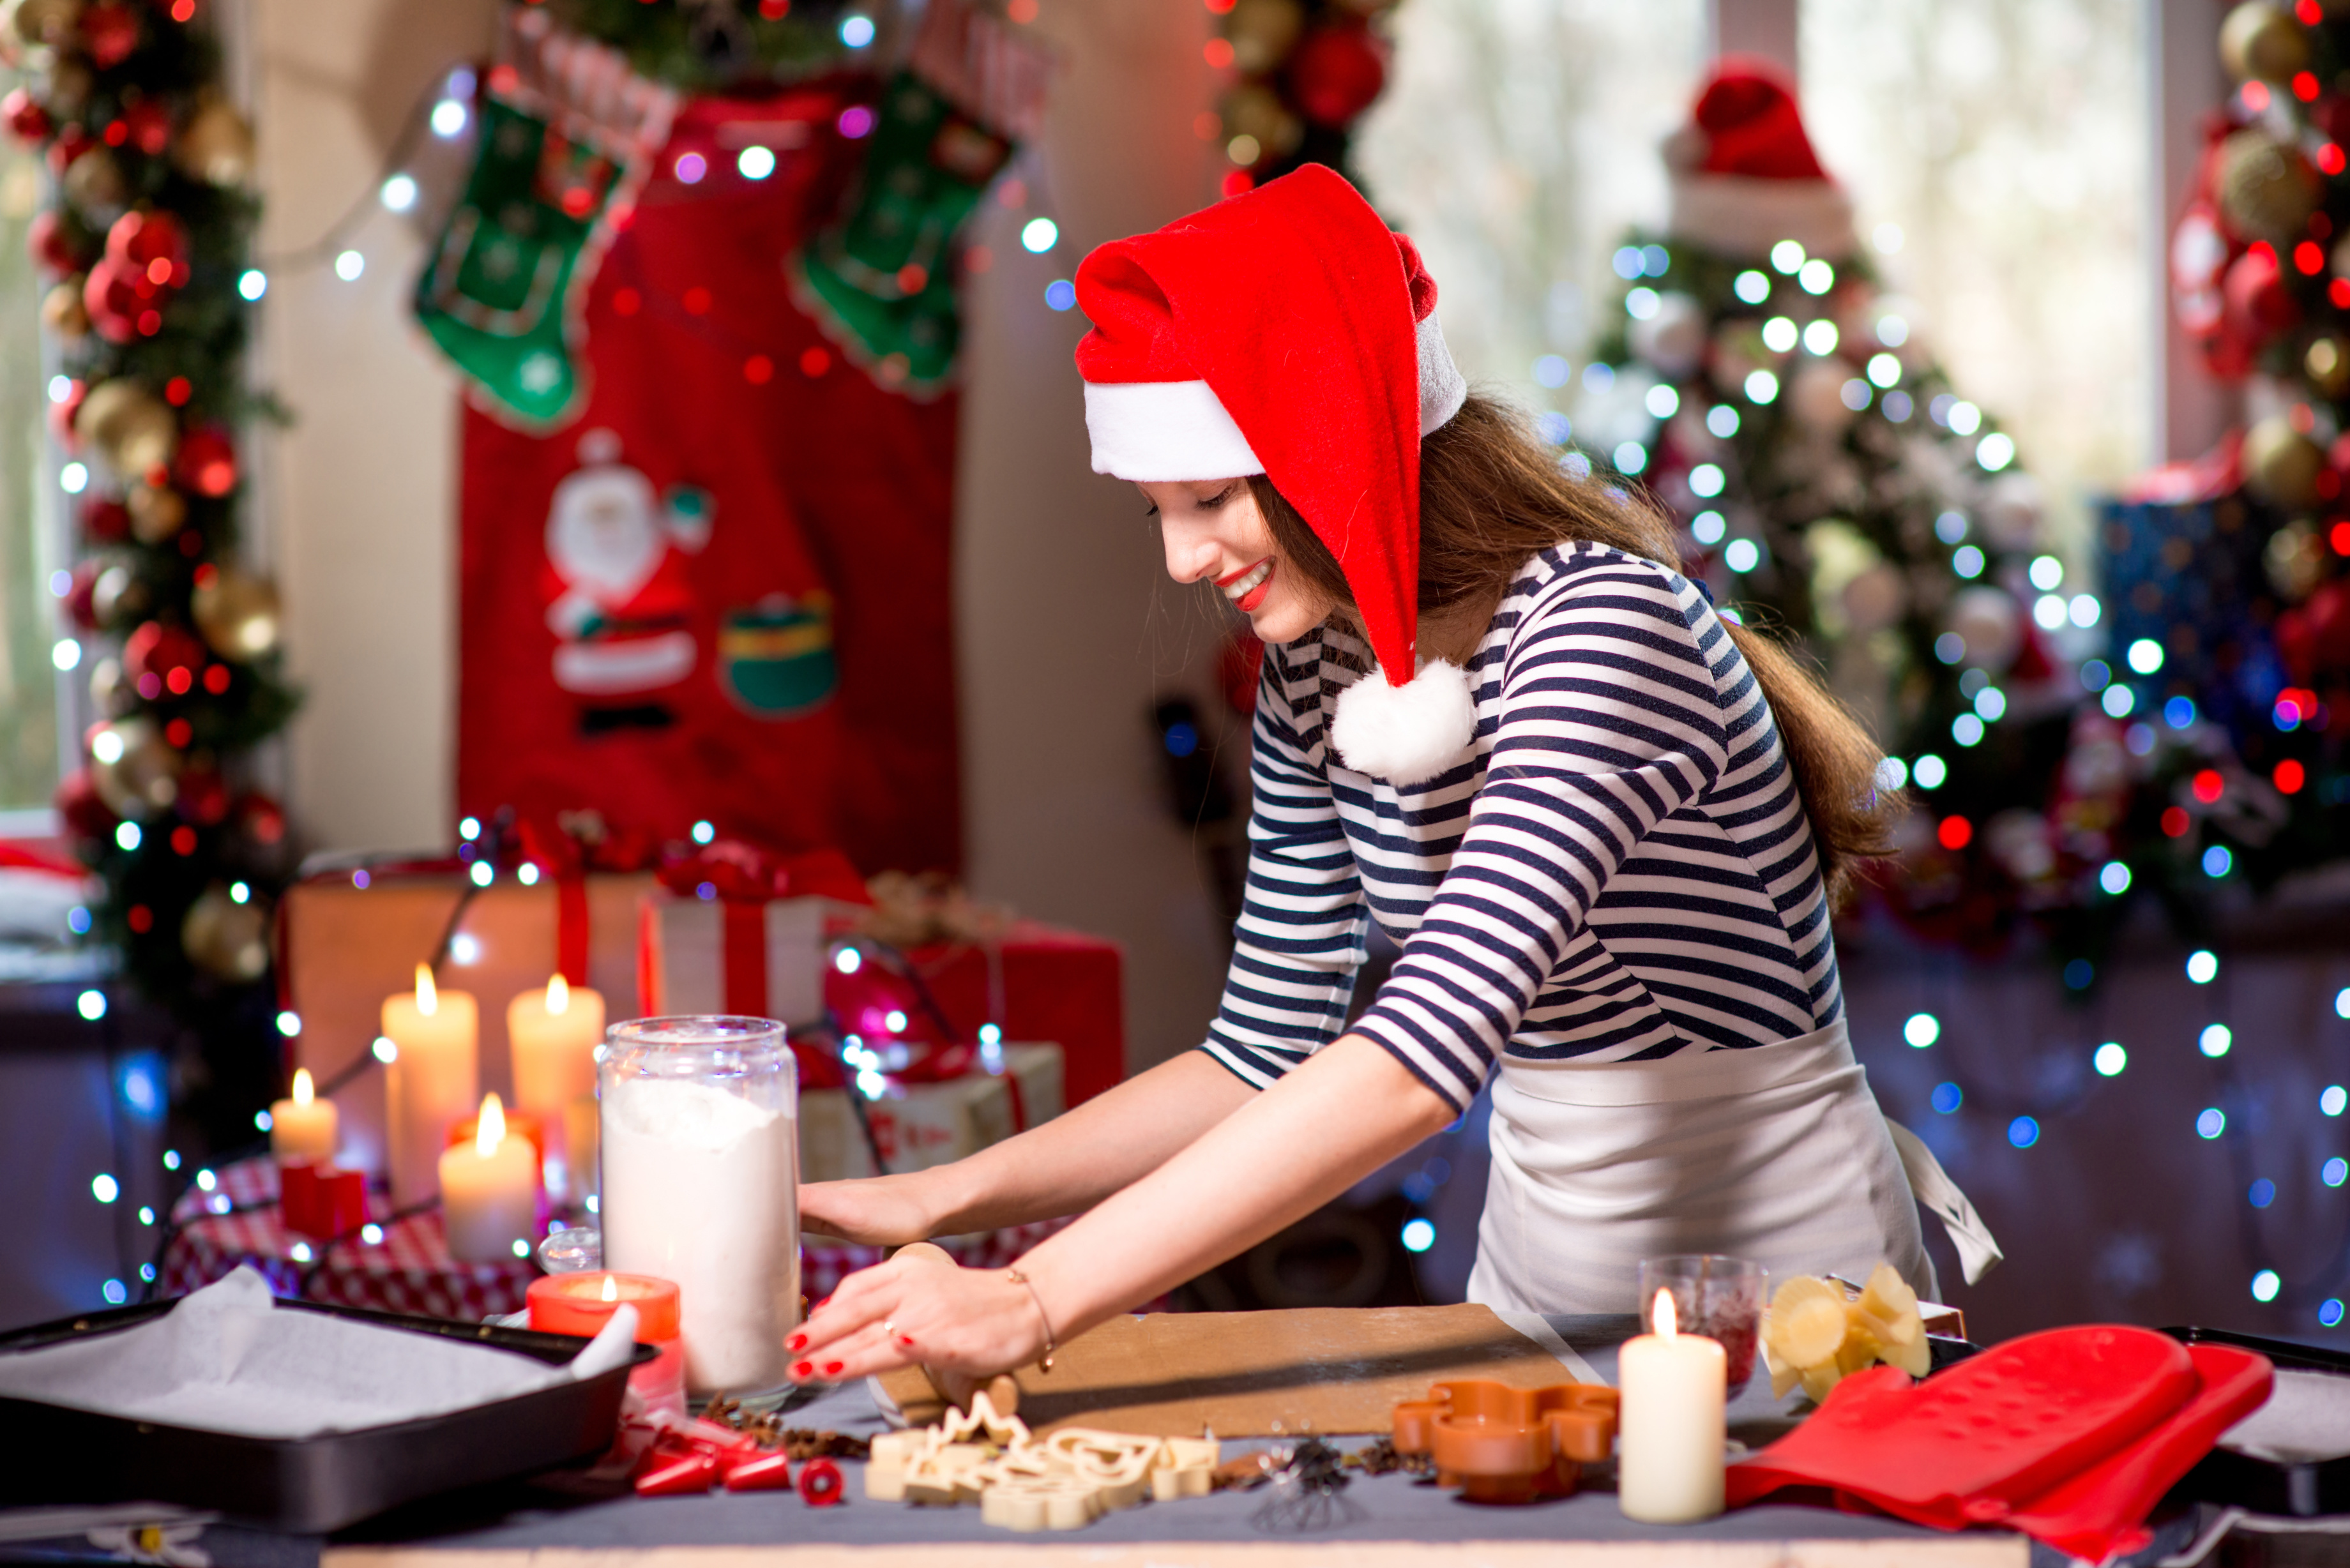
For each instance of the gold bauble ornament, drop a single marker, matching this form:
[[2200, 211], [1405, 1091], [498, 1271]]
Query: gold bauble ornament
[[49, 22], [2327, 363], [2294, 560], [237, 614], [2267, 189], [225, 938], [119, 597], [134, 770], [93, 183], [2280, 464], [214, 146], [158, 512], [134, 430], [1256, 110], [1262, 32], [2259, 39], [71, 85], [62, 312], [110, 693]]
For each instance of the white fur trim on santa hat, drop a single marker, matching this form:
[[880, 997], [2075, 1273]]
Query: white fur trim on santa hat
[[1409, 734], [1739, 215], [1159, 432]]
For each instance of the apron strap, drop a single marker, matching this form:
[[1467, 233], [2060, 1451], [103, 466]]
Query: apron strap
[[1939, 1196]]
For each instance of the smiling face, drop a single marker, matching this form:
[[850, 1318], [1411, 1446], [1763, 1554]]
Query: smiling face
[[1213, 529]]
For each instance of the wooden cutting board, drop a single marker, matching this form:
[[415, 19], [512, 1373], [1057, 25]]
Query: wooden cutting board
[[1330, 1370]]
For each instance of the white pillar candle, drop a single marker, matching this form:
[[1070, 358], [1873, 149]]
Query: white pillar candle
[[489, 1191], [431, 1084], [1670, 1442], [553, 1035], [303, 1127]]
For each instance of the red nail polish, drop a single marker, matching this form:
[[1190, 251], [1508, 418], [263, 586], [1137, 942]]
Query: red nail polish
[[833, 1369], [796, 1341], [907, 1340], [802, 1369]]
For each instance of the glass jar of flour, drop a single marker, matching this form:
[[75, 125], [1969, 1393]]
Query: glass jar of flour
[[700, 1127]]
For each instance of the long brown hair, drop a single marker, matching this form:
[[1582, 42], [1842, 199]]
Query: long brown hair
[[1491, 495]]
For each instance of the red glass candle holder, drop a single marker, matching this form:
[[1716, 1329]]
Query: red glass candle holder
[[577, 1303]]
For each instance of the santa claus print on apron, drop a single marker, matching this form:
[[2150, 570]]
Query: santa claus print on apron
[[623, 603]]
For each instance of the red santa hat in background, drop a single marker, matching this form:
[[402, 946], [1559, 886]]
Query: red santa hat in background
[[1744, 174], [1287, 332]]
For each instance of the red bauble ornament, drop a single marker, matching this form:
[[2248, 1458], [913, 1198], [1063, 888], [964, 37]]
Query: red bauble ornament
[[1336, 73], [61, 416], [80, 595], [80, 808], [50, 246], [114, 293], [25, 116], [111, 33], [204, 797], [260, 818], [147, 125], [157, 650], [2255, 306], [139, 240], [105, 521], [206, 463]]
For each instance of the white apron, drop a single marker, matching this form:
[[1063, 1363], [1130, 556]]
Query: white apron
[[1776, 1153]]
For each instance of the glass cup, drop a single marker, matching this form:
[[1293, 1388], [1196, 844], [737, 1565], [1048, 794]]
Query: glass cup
[[701, 1184], [1720, 1298]]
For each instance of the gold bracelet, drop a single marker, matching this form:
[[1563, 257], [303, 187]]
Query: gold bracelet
[[1045, 1362]]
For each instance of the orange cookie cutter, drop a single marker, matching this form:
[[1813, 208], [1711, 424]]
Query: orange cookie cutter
[[1500, 1444]]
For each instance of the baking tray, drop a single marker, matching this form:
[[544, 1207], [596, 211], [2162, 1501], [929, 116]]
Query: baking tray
[[2265, 1486], [305, 1485]]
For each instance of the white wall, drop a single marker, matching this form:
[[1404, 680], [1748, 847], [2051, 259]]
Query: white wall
[[1068, 628]]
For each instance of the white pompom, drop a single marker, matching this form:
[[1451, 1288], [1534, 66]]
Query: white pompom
[[1409, 733]]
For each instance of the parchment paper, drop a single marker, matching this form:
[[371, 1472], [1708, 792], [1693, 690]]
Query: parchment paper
[[225, 1360], [2307, 1418]]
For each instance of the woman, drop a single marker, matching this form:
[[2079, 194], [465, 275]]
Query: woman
[[1604, 824]]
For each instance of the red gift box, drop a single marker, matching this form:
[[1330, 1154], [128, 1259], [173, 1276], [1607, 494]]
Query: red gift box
[[1039, 982]]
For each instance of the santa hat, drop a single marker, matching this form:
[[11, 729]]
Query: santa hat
[[1287, 332], [1744, 174]]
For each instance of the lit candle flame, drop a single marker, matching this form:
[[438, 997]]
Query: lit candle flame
[[1664, 1318], [611, 1287], [428, 1000], [558, 996], [304, 1093], [491, 1131]]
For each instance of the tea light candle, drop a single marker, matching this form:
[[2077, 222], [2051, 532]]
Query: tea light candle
[[431, 1082], [554, 1034], [1668, 1450], [579, 1304], [489, 1192], [302, 1127]]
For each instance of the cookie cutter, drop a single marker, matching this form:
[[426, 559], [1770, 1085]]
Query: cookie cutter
[[1501, 1443]]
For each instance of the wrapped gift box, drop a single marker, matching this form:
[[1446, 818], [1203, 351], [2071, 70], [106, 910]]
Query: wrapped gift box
[[921, 1125], [1039, 982], [351, 938], [765, 959]]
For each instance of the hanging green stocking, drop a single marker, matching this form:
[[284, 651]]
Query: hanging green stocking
[[879, 274]]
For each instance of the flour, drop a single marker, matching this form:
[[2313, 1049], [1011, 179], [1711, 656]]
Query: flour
[[700, 1189]]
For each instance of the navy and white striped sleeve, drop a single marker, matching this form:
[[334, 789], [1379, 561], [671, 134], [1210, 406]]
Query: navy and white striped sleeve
[[1611, 719], [1299, 942]]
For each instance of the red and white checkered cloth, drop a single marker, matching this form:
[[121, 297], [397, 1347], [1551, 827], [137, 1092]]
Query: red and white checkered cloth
[[410, 1270]]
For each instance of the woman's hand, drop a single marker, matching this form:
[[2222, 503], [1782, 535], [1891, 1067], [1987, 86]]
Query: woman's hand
[[877, 1211], [920, 1308]]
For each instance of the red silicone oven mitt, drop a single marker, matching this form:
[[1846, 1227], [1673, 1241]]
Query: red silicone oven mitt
[[1971, 1444], [2102, 1510]]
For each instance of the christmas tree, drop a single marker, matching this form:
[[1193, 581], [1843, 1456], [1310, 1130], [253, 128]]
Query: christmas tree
[[147, 237], [1835, 487]]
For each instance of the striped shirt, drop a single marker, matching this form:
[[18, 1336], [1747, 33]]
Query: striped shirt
[[1621, 871]]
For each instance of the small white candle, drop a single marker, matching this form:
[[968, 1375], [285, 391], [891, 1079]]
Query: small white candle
[[489, 1191], [1668, 1447], [304, 1127], [430, 1083], [554, 1034]]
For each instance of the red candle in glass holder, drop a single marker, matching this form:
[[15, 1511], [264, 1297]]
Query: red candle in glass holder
[[582, 1304]]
